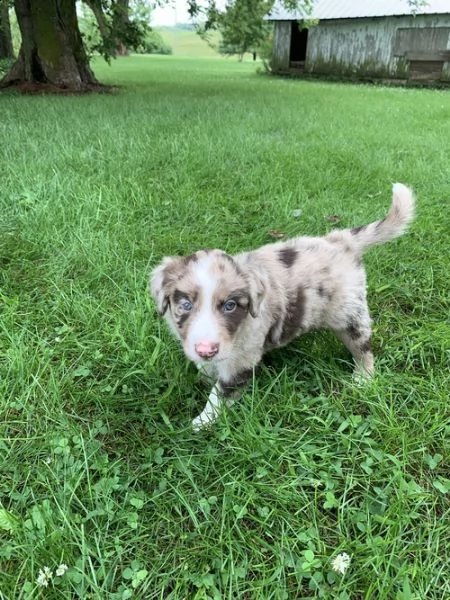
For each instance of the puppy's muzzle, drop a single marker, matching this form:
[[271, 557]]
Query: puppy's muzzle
[[207, 349]]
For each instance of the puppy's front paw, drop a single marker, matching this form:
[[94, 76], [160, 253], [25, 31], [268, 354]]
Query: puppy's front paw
[[202, 421], [361, 378]]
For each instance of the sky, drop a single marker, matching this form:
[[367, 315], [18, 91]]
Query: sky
[[172, 13]]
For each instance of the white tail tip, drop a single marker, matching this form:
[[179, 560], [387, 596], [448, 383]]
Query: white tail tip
[[399, 189]]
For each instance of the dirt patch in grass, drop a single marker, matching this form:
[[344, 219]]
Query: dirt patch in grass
[[31, 88]]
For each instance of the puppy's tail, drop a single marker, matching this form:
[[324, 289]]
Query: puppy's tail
[[394, 223]]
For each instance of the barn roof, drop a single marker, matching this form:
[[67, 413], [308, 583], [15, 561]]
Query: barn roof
[[351, 9]]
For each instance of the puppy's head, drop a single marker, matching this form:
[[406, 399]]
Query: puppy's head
[[206, 298]]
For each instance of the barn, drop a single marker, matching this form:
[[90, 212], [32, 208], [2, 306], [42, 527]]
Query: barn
[[375, 39]]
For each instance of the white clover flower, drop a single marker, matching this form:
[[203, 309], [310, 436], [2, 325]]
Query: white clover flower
[[44, 577], [61, 570], [316, 483], [341, 563]]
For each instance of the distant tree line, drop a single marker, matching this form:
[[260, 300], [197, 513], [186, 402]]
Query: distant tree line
[[57, 40]]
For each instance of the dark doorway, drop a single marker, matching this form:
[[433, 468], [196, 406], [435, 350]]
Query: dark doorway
[[299, 42]]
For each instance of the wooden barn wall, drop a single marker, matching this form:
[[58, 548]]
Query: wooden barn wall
[[371, 46], [281, 45]]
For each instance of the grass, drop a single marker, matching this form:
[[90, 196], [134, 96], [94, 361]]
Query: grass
[[99, 469], [188, 43]]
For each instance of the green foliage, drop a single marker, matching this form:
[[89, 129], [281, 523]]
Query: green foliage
[[129, 27], [117, 29], [242, 26], [265, 50], [15, 31], [416, 5], [153, 44], [5, 65], [90, 32], [99, 468]]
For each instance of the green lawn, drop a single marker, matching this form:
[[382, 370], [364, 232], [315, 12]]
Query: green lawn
[[188, 43], [99, 469]]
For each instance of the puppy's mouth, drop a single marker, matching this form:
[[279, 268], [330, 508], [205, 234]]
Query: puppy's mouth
[[211, 359], [205, 360]]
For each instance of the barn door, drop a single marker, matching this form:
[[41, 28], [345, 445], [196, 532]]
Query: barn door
[[425, 49]]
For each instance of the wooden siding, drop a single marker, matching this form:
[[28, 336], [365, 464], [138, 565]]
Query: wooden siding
[[281, 45], [379, 47], [410, 39], [425, 70]]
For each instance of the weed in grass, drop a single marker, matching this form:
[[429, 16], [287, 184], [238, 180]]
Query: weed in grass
[[99, 468]]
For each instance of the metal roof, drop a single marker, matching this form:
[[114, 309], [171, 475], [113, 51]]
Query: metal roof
[[351, 9]]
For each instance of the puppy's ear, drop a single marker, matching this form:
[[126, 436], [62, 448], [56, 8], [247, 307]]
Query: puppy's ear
[[158, 285], [257, 290]]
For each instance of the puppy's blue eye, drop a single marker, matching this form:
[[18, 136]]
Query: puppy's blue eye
[[187, 306], [229, 306]]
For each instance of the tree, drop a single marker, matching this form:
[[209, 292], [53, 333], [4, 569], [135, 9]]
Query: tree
[[6, 45], [52, 52], [113, 20], [242, 23], [123, 25], [243, 27]]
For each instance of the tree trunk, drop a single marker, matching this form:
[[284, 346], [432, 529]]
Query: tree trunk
[[121, 20], [103, 26], [6, 46], [112, 31], [52, 53]]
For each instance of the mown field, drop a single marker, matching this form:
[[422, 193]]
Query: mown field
[[189, 43], [99, 468]]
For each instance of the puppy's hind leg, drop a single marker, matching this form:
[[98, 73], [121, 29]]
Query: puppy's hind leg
[[356, 336]]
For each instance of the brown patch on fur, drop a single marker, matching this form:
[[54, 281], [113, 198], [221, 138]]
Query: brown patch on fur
[[179, 315], [356, 230], [380, 223], [230, 387], [180, 320], [323, 292], [272, 338], [287, 256], [178, 296], [366, 346], [294, 316], [232, 320], [240, 295], [173, 272], [190, 258], [353, 329], [230, 260]]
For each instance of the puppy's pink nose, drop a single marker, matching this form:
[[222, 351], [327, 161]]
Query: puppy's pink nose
[[206, 349]]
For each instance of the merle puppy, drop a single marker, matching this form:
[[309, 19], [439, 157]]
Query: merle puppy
[[227, 311]]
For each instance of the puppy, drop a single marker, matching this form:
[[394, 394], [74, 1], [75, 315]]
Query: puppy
[[227, 311]]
